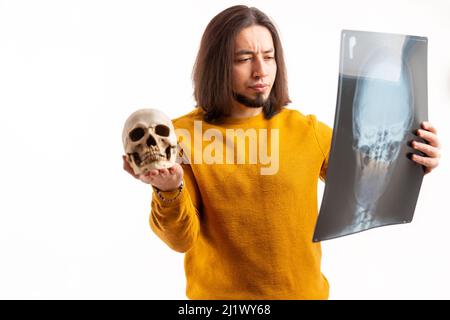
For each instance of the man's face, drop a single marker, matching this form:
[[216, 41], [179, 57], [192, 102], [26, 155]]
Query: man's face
[[254, 66]]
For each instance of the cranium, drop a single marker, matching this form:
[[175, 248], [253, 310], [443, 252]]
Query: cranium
[[149, 141], [382, 115]]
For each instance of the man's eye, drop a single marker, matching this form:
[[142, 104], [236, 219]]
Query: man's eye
[[244, 60], [269, 58]]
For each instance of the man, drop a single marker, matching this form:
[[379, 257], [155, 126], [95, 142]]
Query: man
[[247, 232]]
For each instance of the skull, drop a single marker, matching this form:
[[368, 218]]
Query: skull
[[149, 141], [382, 115]]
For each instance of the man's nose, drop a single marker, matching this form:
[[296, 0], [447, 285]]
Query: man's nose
[[259, 68]]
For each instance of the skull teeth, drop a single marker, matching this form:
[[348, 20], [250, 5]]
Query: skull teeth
[[151, 157]]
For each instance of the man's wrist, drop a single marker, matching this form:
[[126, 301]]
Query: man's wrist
[[170, 190], [170, 195]]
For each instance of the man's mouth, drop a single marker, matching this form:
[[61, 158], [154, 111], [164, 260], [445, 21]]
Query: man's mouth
[[259, 87]]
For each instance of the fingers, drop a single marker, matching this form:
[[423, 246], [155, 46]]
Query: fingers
[[146, 179], [428, 126], [127, 167], [431, 150], [430, 137], [163, 173], [161, 178], [428, 163], [176, 169], [427, 149]]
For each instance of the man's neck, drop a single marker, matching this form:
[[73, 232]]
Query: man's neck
[[241, 111]]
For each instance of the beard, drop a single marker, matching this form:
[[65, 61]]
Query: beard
[[258, 102]]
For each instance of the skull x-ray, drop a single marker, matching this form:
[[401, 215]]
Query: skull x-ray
[[382, 98]]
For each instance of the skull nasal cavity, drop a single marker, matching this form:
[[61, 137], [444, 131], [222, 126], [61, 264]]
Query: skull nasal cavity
[[151, 141]]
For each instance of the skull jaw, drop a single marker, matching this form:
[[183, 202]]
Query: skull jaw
[[371, 179], [154, 165], [152, 159]]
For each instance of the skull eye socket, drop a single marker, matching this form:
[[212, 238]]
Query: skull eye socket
[[162, 130], [136, 134]]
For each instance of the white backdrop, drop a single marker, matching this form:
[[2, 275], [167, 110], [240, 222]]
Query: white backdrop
[[73, 224]]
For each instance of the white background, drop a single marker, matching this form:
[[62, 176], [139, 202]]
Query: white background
[[73, 224]]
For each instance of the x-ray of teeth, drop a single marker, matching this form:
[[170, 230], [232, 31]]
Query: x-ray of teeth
[[382, 98]]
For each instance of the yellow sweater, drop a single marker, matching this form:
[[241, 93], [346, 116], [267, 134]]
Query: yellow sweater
[[247, 227]]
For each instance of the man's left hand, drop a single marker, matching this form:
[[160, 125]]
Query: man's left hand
[[432, 149]]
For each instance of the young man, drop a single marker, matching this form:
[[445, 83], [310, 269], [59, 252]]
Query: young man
[[245, 218]]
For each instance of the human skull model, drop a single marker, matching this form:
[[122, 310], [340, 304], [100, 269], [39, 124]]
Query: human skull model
[[149, 141]]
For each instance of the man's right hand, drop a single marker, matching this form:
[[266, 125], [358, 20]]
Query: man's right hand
[[163, 179]]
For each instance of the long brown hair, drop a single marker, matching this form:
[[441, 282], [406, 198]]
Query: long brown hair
[[212, 73]]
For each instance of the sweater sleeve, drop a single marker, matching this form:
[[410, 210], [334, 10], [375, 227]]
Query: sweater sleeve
[[177, 222], [324, 135]]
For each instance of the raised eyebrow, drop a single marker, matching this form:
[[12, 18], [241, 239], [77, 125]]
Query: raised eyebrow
[[242, 52]]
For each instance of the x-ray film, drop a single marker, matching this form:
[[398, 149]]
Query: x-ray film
[[382, 99]]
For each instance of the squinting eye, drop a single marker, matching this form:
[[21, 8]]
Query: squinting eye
[[244, 60], [270, 58]]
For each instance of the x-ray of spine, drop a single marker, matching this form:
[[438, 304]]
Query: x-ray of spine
[[382, 98]]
